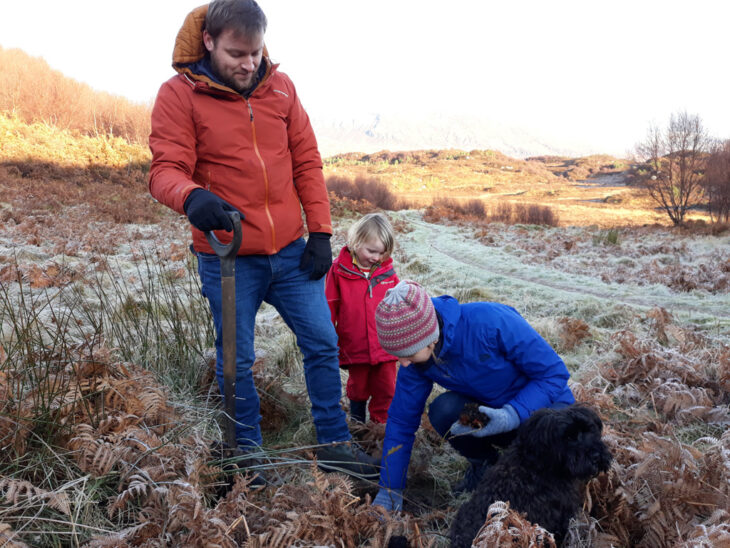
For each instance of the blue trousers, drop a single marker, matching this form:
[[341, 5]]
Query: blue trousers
[[445, 410], [301, 302]]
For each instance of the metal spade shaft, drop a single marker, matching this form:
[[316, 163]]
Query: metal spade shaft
[[227, 255]]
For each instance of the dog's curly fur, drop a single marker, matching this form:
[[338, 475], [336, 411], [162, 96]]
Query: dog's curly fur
[[542, 473]]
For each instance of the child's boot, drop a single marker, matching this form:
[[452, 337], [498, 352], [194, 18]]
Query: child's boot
[[357, 410]]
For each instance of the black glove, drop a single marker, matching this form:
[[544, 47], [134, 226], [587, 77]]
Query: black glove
[[317, 252], [206, 211]]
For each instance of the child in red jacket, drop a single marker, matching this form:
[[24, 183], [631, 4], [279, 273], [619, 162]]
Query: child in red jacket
[[356, 283]]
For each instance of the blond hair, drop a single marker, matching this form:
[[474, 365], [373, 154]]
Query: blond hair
[[372, 225]]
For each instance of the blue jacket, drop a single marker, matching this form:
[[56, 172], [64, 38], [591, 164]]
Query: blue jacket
[[490, 353]]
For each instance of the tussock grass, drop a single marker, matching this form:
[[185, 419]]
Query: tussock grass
[[162, 322], [40, 341]]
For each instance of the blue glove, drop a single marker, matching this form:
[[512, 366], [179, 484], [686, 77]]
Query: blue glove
[[317, 255], [390, 499], [206, 211], [500, 420]]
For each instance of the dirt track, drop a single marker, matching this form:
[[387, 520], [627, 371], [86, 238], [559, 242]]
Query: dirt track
[[450, 252]]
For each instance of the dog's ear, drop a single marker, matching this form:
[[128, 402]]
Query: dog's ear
[[537, 435], [587, 414]]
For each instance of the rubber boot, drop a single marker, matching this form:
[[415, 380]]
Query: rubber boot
[[357, 410]]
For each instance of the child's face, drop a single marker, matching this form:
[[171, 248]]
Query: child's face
[[370, 252]]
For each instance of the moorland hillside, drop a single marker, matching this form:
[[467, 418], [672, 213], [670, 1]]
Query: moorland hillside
[[34, 92], [110, 414]]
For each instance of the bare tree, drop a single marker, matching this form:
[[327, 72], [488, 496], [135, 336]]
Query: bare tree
[[716, 182], [675, 157]]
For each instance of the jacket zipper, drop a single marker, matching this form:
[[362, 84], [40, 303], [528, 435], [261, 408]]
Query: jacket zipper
[[373, 280], [266, 178], [359, 275]]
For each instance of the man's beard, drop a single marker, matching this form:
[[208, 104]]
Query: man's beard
[[231, 82]]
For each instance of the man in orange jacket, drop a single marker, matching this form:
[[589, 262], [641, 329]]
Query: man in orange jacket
[[229, 134]]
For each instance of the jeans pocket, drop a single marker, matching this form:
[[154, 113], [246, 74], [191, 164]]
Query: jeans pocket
[[208, 269], [206, 256]]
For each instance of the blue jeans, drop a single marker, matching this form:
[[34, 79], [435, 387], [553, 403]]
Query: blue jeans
[[278, 280], [445, 410]]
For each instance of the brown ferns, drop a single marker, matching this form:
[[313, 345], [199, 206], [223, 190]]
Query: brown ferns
[[506, 527]]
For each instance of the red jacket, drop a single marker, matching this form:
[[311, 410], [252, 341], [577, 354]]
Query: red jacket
[[258, 154], [353, 298]]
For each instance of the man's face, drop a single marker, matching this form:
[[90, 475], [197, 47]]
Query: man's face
[[235, 57]]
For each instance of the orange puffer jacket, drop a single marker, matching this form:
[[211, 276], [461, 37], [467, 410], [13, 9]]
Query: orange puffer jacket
[[258, 154]]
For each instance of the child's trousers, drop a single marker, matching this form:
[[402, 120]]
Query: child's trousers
[[375, 383]]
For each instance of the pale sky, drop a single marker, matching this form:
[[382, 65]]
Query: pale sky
[[591, 71]]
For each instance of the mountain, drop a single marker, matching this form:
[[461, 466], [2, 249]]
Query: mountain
[[378, 131]]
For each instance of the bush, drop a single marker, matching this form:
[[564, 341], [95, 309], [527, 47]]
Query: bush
[[716, 183], [541, 215], [529, 214], [501, 213], [475, 207], [470, 208], [371, 190], [36, 93]]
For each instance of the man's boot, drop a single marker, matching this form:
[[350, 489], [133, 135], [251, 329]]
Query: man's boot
[[253, 467], [357, 410], [347, 457], [234, 462], [472, 476]]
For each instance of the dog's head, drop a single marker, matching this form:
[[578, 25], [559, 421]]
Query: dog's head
[[565, 442]]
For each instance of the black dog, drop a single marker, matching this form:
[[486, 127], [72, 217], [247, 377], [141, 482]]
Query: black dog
[[542, 473]]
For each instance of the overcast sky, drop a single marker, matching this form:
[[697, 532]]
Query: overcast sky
[[592, 71]]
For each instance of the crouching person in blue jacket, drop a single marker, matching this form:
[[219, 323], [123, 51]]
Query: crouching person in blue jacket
[[479, 352]]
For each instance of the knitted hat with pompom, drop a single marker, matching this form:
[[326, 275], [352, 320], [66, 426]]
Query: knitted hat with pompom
[[406, 320]]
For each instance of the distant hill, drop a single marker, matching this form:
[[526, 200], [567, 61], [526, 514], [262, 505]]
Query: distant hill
[[371, 133]]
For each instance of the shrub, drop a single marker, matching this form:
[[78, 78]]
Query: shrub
[[529, 214], [541, 215], [371, 190], [475, 207], [36, 93], [716, 183], [470, 208], [502, 212]]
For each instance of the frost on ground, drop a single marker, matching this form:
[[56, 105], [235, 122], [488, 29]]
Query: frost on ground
[[567, 271], [640, 317]]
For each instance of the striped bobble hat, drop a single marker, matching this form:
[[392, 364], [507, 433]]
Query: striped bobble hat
[[406, 320]]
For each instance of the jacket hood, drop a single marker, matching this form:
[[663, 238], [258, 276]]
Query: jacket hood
[[351, 271], [449, 310], [189, 49]]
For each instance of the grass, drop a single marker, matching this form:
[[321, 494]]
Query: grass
[[39, 342], [607, 237], [163, 322]]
